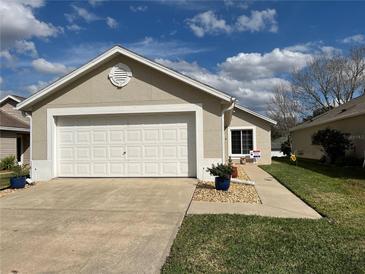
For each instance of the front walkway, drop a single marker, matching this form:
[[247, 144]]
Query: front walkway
[[277, 201]]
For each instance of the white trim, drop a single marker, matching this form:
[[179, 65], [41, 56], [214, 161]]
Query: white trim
[[230, 140], [256, 114], [19, 129], [119, 50], [10, 97], [54, 112]]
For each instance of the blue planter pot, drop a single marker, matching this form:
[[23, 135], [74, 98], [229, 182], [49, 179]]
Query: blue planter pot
[[17, 182], [222, 183]]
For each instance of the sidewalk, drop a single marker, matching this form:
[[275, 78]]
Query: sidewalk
[[277, 201]]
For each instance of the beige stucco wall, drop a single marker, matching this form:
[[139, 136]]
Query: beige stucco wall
[[263, 133], [146, 87], [302, 139]]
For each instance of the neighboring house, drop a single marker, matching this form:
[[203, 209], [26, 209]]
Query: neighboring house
[[122, 115], [348, 118], [276, 146], [14, 130]]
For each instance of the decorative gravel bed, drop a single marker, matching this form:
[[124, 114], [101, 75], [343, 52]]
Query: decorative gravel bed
[[237, 193], [7, 191]]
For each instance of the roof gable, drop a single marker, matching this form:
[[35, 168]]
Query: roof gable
[[14, 98], [40, 95]]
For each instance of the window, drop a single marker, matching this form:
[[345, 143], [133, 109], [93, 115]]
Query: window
[[242, 141]]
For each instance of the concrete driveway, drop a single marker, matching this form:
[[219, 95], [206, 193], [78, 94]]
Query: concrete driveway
[[92, 225]]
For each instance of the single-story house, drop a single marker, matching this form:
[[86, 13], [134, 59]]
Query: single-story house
[[123, 115], [348, 118], [14, 130]]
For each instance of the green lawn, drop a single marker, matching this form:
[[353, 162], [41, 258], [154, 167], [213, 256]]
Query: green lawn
[[5, 179], [252, 244]]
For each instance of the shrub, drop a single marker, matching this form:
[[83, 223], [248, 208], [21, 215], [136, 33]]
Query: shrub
[[7, 163], [222, 170], [20, 170], [334, 143], [286, 148]]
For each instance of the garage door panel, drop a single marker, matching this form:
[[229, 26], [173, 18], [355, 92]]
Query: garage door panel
[[100, 153], [134, 169], [99, 169], [151, 169], [83, 153], [83, 137], [66, 137], [116, 169], [83, 169], [100, 136], [66, 153], [66, 168], [126, 146], [150, 152], [116, 136], [116, 153]]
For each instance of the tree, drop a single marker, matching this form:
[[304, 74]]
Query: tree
[[334, 143], [284, 109], [329, 81]]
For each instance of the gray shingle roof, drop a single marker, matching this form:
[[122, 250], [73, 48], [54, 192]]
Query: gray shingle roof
[[352, 108], [7, 120]]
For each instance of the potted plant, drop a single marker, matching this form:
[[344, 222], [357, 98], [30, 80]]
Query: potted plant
[[222, 173], [19, 179]]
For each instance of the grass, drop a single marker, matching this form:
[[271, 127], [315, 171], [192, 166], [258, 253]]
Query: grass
[[253, 244], [5, 179]]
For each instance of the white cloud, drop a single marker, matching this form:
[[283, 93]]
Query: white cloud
[[45, 66], [6, 55], [26, 47], [81, 13], [315, 48], [209, 23], [18, 22], [138, 8], [161, 49], [258, 21], [74, 27], [354, 39], [250, 77], [257, 65], [35, 87], [112, 23], [95, 3]]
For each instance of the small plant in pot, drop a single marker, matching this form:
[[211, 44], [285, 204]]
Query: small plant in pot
[[20, 175], [222, 173]]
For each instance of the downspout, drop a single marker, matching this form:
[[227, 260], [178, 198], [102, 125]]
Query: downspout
[[230, 107], [29, 116]]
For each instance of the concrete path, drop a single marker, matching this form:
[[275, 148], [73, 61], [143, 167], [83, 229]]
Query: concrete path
[[92, 225], [277, 201]]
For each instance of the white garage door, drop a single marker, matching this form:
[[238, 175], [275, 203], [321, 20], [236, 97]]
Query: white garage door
[[126, 146]]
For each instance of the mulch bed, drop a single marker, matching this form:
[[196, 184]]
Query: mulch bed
[[237, 193]]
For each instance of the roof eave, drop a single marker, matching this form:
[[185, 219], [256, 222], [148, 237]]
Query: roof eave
[[263, 117]]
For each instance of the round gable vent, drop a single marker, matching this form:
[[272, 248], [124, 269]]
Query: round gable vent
[[120, 75]]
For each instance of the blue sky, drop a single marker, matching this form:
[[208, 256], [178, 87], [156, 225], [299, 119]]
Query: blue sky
[[242, 47]]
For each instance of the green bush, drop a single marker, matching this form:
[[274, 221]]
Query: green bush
[[20, 170], [286, 148], [7, 163], [222, 170], [334, 143]]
